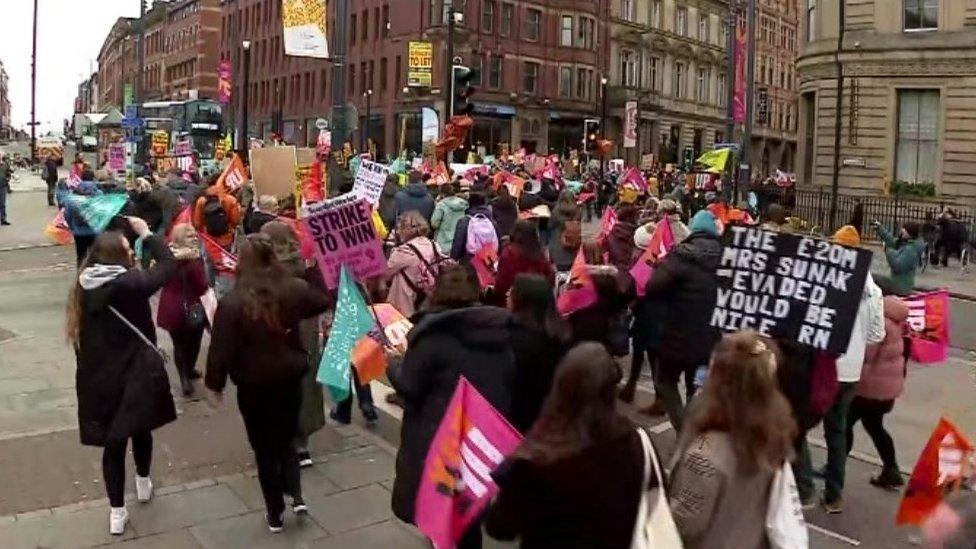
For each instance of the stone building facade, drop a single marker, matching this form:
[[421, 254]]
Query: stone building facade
[[908, 108], [6, 124]]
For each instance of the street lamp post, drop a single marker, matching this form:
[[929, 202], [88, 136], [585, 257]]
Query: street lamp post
[[603, 126], [364, 135], [33, 153], [246, 45]]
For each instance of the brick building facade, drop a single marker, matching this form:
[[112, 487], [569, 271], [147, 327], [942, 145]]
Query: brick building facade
[[6, 124], [521, 48]]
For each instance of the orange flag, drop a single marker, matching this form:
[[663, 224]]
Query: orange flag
[[939, 471], [234, 176]]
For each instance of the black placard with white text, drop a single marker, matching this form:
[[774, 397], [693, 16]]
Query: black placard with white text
[[790, 286]]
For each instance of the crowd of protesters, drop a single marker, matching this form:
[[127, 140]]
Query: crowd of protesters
[[741, 411]]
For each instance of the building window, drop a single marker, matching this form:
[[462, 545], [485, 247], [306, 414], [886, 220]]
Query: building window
[[383, 74], [628, 68], [704, 80], [365, 25], [583, 83], [586, 33], [495, 72], [352, 80], [681, 22], [533, 20], [721, 90], [506, 24], [918, 136], [435, 13], [811, 20], [921, 15], [656, 13], [703, 27], [678, 81], [530, 82], [399, 72], [478, 65], [654, 72], [627, 10], [566, 31], [386, 21], [352, 29], [565, 81], [487, 16]]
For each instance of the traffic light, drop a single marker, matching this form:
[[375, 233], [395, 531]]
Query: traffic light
[[463, 90], [591, 133]]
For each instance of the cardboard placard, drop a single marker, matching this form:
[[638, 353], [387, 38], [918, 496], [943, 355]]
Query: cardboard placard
[[370, 180], [343, 233], [790, 286], [116, 157], [271, 168]]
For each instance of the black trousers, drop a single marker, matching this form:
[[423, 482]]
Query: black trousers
[[82, 243], [186, 349], [666, 385], [871, 414], [113, 465], [270, 413], [639, 351], [50, 192]]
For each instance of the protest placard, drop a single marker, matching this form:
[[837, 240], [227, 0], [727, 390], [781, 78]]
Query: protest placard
[[184, 147], [343, 233], [270, 169], [790, 286], [370, 180], [160, 143], [116, 157]]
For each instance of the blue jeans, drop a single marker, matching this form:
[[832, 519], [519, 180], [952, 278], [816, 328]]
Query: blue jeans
[[835, 432]]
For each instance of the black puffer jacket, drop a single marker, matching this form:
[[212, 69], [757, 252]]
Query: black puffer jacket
[[121, 382], [473, 342], [685, 281]]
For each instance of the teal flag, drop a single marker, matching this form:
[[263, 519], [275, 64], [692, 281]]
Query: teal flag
[[352, 321], [398, 166], [97, 211]]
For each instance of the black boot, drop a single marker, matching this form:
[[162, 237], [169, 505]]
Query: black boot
[[186, 384], [889, 479]]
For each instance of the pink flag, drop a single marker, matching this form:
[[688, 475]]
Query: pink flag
[[928, 320], [633, 178], [662, 241], [607, 223], [579, 292], [471, 442]]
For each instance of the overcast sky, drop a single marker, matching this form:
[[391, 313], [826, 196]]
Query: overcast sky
[[69, 35]]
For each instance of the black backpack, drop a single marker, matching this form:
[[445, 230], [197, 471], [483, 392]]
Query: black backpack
[[214, 216]]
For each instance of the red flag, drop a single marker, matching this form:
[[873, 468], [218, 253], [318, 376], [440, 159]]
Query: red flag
[[939, 471], [485, 264], [607, 223], [471, 442], [579, 292], [234, 176], [222, 260]]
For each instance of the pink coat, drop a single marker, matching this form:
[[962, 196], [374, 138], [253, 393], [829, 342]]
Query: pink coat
[[404, 262], [883, 376]]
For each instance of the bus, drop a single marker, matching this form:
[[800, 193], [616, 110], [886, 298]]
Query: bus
[[200, 119]]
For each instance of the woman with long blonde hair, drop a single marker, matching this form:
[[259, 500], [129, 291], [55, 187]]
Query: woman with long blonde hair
[[739, 432]]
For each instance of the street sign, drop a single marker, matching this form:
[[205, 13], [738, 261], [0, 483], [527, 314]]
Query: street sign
[[132, 123], [131, 111]]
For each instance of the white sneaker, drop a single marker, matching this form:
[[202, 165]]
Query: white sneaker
[[144, 489], [117, 518]]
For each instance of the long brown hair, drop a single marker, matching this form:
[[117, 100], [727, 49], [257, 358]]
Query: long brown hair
[[259, 277], [581, 409], [108, 249], [741, 397], [525, 238]]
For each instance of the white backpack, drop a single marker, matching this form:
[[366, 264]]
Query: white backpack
[[481, 233]]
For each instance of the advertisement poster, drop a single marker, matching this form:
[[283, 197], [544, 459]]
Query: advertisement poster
[[420, 64], [431, 126], [224, 81], [630, 124], [184, 147], [116, 157], [343, 234], [305, 32], [160, 143]]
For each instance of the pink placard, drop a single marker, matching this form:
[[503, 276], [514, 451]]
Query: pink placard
[[343, 233]]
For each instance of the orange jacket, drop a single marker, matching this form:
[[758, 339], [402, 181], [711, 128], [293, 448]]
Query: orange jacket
[[231, 207]]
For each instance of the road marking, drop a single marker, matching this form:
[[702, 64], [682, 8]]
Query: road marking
[[831, 534]]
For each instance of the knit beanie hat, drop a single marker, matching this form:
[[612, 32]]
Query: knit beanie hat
[[703, 222], [847, 236]]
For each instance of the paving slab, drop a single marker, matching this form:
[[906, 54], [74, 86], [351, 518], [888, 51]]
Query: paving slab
[[177, 539], [389, 535], [251, 530], [183, 509], [352, 509], [314, 484], [354, 469], [82, 528]]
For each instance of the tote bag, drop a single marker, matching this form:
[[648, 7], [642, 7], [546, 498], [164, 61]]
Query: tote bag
[[785, 526], [655, 527]]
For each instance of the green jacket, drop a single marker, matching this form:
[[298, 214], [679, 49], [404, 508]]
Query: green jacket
[[903, 260]]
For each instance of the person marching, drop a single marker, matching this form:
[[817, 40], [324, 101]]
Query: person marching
[[121, 383]]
